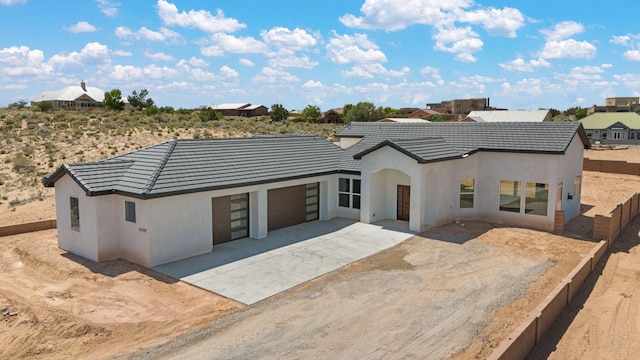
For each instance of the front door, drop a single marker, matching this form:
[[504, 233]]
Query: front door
[[404, 202]]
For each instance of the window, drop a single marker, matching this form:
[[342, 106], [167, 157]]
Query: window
[[467, 189], [75, 214], [349, 193], [130, 211], [577, 183], [537, 198], [510, 195]]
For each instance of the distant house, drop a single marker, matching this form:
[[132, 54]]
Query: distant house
[[509, 116], [81, 97], [333, 116], [180, 198], [616, 104], [460, 106], [422, 113], [612, 127], [241, 109]]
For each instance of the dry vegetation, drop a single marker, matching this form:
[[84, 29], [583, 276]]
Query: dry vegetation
[[33, 144]]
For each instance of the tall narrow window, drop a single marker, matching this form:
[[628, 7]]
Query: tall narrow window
[[467, 190], [537, 198], [510, 193], [130, 211], [355, 203], [577, 184], [75, 214]]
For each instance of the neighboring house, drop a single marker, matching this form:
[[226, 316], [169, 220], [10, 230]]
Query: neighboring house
[[74, 98], [179, 198], [509, 116], [612, 128], [422, 113], [333, 116], [241, 110], [460, 106], [616, 104]]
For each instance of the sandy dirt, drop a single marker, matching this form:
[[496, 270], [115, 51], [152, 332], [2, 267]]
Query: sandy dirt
[[452, 292], [429, 297], [61, 306]]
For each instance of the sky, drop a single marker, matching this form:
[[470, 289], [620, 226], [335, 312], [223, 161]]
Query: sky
[[521, 54]]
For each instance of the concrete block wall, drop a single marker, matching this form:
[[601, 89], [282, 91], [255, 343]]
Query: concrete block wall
[[27, 227], [611, 166]]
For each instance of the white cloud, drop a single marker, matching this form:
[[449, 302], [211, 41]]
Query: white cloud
[[194, 61], [633, 55], [295, 39], [433, 73], [159, 56], [620, 40], [568, 49], [497, 22], [108, 8], [370, 71], [143, 33], [122, 53], [520, 65], [286, 59], [12, 2], [460, 41], [213, 51], [197, 19], [246, 62], [132, 73], [562, 30], [238, 45], [92, 54], [357, 48], [314, 91], [271, 76], [629, 80], [17, 61], [228, 72], [391, 15], [81, 27], [312, 84]]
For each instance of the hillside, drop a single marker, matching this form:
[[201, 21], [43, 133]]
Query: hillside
[[33, 144]]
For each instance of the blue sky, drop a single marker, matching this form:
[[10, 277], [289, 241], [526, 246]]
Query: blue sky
[[520, 54]]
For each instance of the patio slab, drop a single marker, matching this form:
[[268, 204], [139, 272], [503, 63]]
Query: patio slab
[[250, 270]]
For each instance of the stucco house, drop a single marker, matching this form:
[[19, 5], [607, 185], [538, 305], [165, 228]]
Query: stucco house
[[241, 109], [179, 198], [72, 98], [612, 128]]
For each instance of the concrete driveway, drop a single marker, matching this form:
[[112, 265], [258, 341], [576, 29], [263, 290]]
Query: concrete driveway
[[250, 270]]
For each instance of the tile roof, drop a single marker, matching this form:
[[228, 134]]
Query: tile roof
[[185, 166], [466, 137], [509, 116], [606, 120], [182, 166]]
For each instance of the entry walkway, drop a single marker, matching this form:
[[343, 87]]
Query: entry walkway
[[250, 270]]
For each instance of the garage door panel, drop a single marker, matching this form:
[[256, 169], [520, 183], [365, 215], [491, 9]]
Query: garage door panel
[[286, 207]]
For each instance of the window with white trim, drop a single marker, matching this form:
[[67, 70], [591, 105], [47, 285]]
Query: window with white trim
[[349, 193]]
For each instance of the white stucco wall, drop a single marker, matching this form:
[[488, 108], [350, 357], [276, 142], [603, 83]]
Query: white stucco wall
[[435, 187]]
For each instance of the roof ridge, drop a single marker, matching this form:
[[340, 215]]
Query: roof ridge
[[160, 166]]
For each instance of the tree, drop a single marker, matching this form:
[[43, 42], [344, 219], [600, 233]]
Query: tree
[[436, 118], [391, 111], [637, 110], [278, 112], [580, 113], [364, 112], [113, 100], [311, 113], [554, 112], [140, 100], [20, 104]]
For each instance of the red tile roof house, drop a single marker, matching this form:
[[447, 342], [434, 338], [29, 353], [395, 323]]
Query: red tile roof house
[[179, 198]]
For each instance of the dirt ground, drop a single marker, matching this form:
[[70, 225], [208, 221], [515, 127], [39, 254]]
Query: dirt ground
[[66, 307]]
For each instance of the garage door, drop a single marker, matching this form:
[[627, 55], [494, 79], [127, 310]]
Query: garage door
[[292, 205], [230, 218]]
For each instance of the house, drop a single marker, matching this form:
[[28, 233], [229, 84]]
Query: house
[[241, 109], [509, 116], [460, 106], [612, 128], [422, 113], [81, 97], [179, 198], [616, 104], [333, 116]]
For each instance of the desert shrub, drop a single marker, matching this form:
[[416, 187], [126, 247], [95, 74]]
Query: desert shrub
[[22, 164]]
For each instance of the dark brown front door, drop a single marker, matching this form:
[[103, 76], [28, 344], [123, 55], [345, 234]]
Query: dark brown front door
[[404, 202]]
